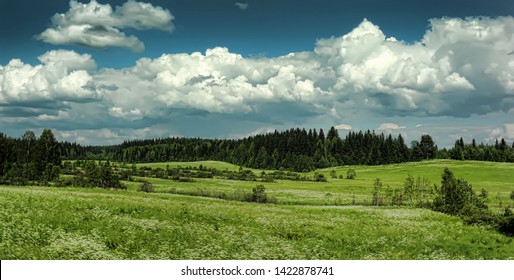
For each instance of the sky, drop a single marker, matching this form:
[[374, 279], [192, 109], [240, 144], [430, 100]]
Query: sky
[[101, 72]]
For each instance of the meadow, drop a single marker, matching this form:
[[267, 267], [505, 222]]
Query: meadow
[[496, 178], [311, 220]]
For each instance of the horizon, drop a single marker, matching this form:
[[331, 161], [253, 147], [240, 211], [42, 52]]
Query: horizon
[[102, 72], [325, 131]]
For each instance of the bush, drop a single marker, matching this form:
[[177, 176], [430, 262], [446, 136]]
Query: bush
[[512, 195], [319, 177], [259, 194], [456, 196], [351, 174], [267, 179], [376, 198], [146, 187], [185, 179], [507, 226]]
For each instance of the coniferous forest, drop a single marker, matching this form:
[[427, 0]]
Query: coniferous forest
[[295, 149]]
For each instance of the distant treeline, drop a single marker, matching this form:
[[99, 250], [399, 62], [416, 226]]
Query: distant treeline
[[293, 149]]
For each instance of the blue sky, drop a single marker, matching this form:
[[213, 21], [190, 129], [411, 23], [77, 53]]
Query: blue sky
[[105, 71]]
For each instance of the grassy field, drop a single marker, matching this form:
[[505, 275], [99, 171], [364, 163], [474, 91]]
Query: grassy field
[[496, 178], [311, 220], [70, 223]]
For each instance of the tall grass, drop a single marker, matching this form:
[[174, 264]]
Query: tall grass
[[71, 223]]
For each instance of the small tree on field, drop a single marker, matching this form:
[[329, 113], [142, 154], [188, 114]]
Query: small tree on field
[[456, 196], [319, 177], [259, 194], [408, 189], [351, 174], [376, 195], [333, 174], [146, 187]]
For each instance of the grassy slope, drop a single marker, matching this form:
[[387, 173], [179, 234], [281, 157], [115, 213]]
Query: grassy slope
[[71, 223], [58, 223], [496, 178]]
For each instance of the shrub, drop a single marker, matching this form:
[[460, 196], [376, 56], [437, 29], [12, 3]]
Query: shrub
[[146, 187], [456, 196], [319, 177], [376, 198], [259, 194], [185, 179], [507, 226], [267, 179], [351, 174], [512, 195]]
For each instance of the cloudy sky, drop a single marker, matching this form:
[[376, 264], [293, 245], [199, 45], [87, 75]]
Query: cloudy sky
[[100, 72]]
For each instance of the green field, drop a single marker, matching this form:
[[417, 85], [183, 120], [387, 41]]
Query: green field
[[496, 178], [311, 220]]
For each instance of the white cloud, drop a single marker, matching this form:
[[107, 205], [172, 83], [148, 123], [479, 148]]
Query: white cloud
[[106, 133], [61, 115], [506, 132], [58, 78], [133, 114], [389, 126], [241, 5], [454, 73], [97, 25], [343, 127]]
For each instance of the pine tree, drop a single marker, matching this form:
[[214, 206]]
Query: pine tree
[[427, 146]]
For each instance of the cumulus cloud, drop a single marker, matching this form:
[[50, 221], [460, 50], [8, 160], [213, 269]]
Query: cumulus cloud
[[506, 132], [62, 76], [389, 126], [241, 5], [215, 82], [343, 127], [431, 77], [458, 69], [98, 25]]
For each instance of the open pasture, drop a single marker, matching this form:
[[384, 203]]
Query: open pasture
[[496, 178], [71, 223]]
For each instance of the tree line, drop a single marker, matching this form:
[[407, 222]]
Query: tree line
[[29, 158], [294, 149]]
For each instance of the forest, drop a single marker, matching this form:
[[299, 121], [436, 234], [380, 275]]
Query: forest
[[294, 149], [39, 158]]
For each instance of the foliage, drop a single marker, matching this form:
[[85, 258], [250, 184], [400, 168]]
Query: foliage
[[29, 159], [146, 187], [99, 175], [351, 174], [319, 177], [376, 195], [456, 196], [259, 194], [294, 149]]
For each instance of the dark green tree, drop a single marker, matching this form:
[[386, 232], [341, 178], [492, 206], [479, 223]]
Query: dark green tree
[[456, 196], [427, 146]]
